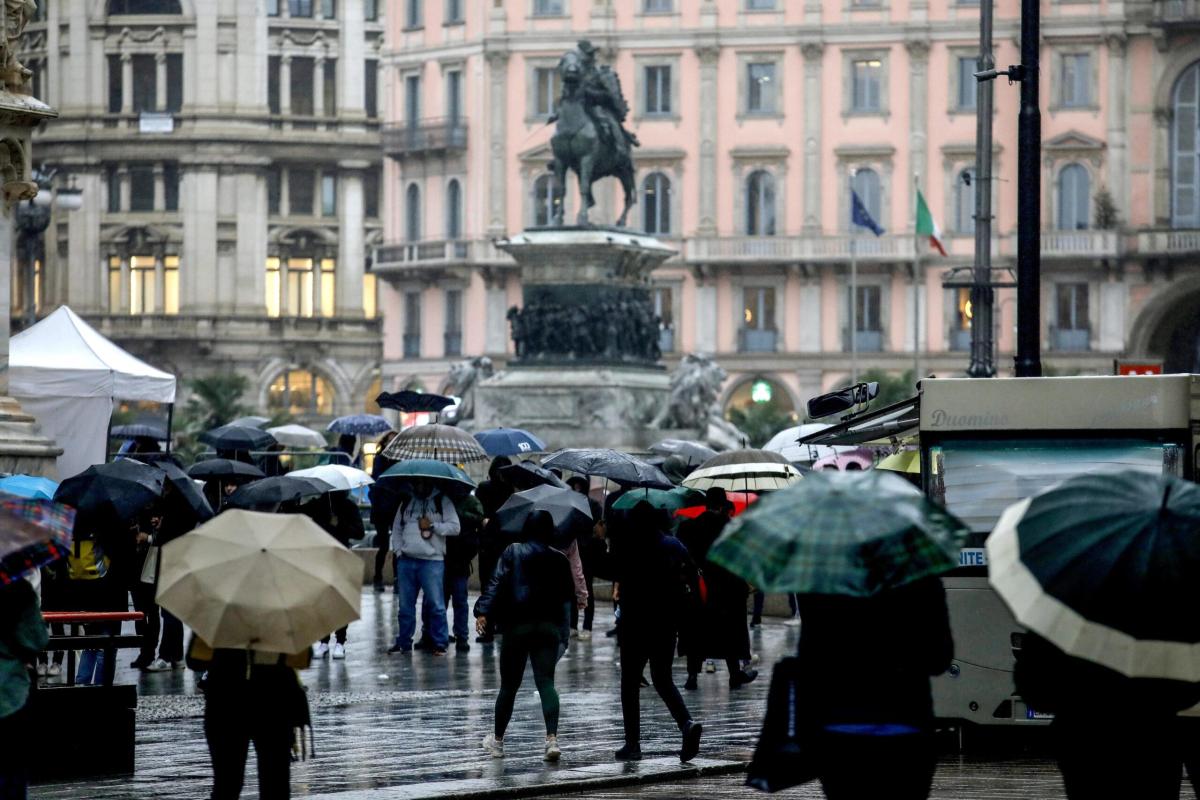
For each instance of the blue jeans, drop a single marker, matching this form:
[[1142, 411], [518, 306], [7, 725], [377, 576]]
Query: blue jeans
[[415, 575], [456, 587]]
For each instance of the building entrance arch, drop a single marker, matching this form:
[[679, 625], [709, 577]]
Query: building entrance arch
[[1168, 327]]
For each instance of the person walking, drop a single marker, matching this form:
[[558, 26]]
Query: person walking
[[529, 602], [1131, 745], [589, 547], [141, 589], [716, 629], [492, 493], [22, 637], [337, 514], [251, 696], [424, 522], [866, 700], [655, 577], [384, 504]]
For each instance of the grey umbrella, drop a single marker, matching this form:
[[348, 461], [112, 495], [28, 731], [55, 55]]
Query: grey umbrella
[[569, 509], [694, 453], [614, 465]]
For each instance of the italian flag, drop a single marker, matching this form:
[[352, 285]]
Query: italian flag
[[926, 225]]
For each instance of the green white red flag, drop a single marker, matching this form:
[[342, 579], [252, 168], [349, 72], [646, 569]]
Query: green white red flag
[[926, 226]]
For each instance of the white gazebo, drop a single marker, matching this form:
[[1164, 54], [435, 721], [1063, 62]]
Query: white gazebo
[[68, 376]]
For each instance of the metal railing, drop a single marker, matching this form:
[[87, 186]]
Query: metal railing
[[798, 248], [1070, 340], [1169, 241], [437, 252], [1166, 11], [1079, 243], [756, 340], [425, 136]]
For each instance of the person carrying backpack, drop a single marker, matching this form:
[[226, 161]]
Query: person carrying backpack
[[460, 553], [93, 585], [425, 522]]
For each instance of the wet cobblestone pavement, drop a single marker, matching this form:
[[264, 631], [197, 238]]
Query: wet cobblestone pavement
[[409, 727]]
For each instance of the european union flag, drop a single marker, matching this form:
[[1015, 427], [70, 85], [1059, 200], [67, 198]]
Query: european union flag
[[861, 217]]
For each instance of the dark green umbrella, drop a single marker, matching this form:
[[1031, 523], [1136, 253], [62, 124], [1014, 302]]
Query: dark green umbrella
[[667, 499], [448, 477], [843, 533], [1107, 568]]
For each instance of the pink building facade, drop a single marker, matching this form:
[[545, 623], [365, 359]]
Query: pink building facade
[[755, 116]]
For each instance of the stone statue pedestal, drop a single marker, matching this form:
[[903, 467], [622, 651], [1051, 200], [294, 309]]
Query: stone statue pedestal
[[23, 449], [587, 371]]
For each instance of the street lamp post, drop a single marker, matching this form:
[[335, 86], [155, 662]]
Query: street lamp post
[[32, 219]]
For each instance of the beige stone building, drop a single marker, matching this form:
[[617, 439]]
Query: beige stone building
[[229, 157]]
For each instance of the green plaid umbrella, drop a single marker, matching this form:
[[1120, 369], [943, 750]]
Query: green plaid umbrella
[[845, 533]]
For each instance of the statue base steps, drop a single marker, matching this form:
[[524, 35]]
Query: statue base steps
[[576, 406]]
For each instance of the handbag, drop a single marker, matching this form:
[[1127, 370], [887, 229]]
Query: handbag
[[150, 565], [785, 756]]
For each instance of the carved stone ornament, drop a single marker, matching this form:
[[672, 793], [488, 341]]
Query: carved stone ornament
[[17, 14]]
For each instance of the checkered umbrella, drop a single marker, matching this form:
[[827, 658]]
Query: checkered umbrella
[[844, 533], [437, 442], [32, 533]]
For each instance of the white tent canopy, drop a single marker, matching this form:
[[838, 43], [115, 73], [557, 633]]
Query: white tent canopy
[[67, 376]]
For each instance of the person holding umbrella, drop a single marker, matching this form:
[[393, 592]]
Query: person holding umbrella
[[384, 504], [589, 546], [528, 600], [418, 543], [337, 514], [492, 494], [655, 577], [717, 628]]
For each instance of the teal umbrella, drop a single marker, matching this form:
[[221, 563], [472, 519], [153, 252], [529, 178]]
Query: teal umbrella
[[843, 533], [667, 499], [447, 476]]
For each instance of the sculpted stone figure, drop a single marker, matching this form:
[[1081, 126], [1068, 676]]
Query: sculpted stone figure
[[694, 403], [463, 378], [590, 139], [17, 14]]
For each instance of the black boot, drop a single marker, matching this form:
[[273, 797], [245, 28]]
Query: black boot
[[630, 752], [739, 679], [691, 684], [691, 741]]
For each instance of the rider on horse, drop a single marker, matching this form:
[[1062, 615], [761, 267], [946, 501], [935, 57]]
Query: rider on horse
[[604, 101]]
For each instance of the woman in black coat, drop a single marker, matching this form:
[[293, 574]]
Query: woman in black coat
[[865, 665], [717, 626]]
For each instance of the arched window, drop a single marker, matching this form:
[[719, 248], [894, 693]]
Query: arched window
[[454, 210], [867, 187], [964, 201], [301, 392], [1185, 150], [760, 204], [412, 213], [544, 204], [121, 7], [656, 203], [1074, 198]]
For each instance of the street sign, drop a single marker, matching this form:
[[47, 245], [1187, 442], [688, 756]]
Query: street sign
[[1148, 366]]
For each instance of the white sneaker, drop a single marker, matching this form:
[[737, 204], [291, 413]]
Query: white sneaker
[[41, 670], [792, 622], [574, 633], [552, 751], [158, 665], [585, 636], [54, 670], [493, 746], [321, 650], [710, 666], [339, 651]]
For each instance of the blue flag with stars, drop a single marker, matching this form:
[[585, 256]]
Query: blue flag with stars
[[861, 217]]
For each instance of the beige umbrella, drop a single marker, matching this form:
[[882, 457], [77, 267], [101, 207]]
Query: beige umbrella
[[253, 581]]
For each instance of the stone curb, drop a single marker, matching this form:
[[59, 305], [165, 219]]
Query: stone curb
[[465, 790]]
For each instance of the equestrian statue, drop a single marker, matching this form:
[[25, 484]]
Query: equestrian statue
[[590, 138]]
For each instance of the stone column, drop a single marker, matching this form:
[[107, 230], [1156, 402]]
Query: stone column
[[496, 311], [160, 287], [285, 85], [86, 270], [251, 253], [351, 263], [918, 127], [1117, 116], [160, 188], [814, 53], [198, 290], [251, 90], [706, 311], [126, 83], [1162, 168], [497, 142], [206, 66], [319, 86], [351, 69], [160, 82], [709, 55], [126, 187]]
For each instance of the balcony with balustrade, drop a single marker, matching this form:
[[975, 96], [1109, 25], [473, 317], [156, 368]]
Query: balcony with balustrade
[[425, 137], [1176, 13], [1168, 242], [429, 258], [797, 249]]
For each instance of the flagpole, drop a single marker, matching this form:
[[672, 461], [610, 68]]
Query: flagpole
[[853, 289], [916, 291]]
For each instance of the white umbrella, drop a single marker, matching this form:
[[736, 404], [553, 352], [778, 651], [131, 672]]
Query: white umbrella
[[744, 470], [252, 581], [339, 476], [297, 436], [785, 443]]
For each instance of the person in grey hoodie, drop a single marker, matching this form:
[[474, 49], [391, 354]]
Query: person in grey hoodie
[[418, 545]]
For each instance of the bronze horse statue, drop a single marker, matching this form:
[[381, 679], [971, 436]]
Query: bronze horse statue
[[578, 145]]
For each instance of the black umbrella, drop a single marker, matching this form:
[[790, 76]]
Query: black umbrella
[[279, 489], [526, 475], [614, 465], [694, 453], [141, 430], [570, 510], [237, 437], [183, 496], [412, 402], [116, 492], [225, 469]]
